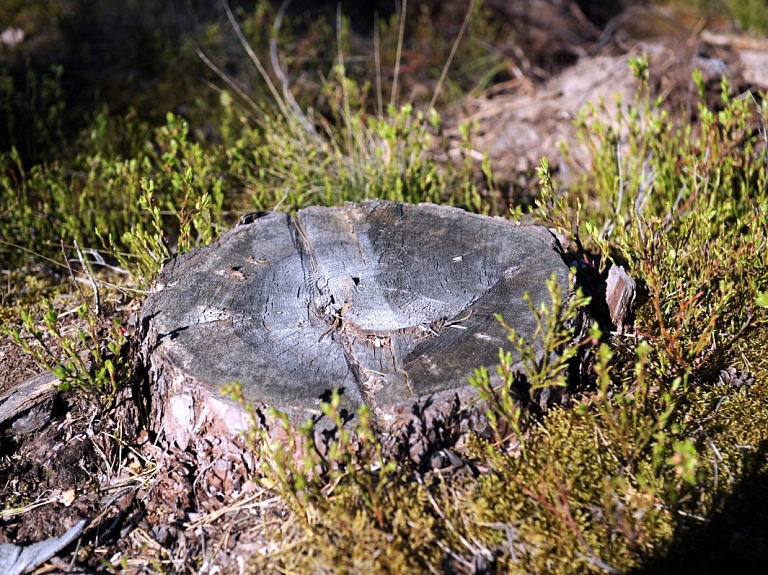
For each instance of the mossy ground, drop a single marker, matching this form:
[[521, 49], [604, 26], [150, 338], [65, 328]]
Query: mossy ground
[[659, 463]]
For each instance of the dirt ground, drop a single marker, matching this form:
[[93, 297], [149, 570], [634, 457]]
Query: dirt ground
[[152, 507]]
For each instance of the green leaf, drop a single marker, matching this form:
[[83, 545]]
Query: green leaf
[[60, 372]]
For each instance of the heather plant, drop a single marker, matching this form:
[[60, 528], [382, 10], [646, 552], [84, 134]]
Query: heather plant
[[685, 211], [351, 462], [79, 363], [526, 373]]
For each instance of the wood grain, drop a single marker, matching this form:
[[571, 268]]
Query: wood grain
[[384, 301]]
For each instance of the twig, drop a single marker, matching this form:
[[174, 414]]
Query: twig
[[401, 32], [97, 259], [762, 131], [255, 59], [91, 278], [719, 457], [285, 196], [249, 502], [455, 47], [75, 554], [692, 516], [377, 63], [235, 88], [71, 272], [509, 530], [620, 199], [447, 521], [278, 70], [347, 114], [450, 552], [31, 252], [40, 502], [597, 562]]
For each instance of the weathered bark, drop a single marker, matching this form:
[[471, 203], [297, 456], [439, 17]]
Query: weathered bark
[[25, 403], [392, 304], [27, 395]]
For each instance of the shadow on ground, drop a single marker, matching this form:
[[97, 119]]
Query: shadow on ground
[[732, 540]]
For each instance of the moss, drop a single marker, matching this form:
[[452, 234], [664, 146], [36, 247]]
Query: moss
[[25, 289], [572, 504], [344, 537]]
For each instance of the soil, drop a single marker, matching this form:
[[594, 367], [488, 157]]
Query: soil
[[153, 507]]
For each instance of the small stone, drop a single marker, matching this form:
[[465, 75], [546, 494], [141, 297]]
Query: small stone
[[220, 468], [12, 37], [620, 291], [735, 377]]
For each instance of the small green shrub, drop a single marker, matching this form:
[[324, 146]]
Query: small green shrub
[[611, 481], [31, 114], [92, 362], [522, 367], [685, 211], [346, 493]]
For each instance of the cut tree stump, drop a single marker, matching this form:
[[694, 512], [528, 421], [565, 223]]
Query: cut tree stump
[[392, 304]]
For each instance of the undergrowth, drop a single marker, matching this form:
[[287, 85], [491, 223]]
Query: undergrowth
[[660, 445], [657, 450], [95, 372]]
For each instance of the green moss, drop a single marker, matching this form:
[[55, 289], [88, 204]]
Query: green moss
[[24, 289], [348, 539], [572, 504]]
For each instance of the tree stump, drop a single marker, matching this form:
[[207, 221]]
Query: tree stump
[[392, 304]]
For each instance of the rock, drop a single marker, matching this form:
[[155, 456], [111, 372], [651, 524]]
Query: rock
[[392, 304], [620, 291]]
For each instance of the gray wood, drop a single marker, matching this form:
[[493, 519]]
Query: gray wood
[[25, 395], [387, 302], [28, 394], [15, 560]]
